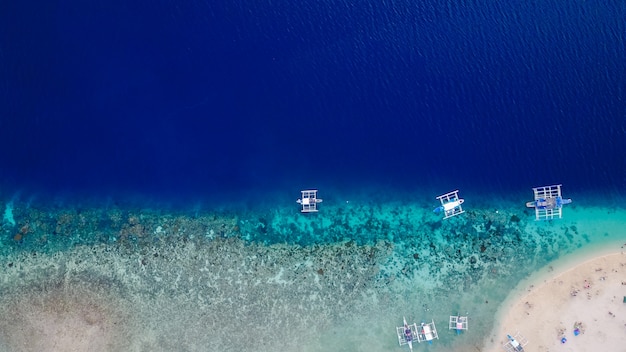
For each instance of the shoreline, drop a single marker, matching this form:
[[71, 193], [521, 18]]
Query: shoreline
[[586, 293]]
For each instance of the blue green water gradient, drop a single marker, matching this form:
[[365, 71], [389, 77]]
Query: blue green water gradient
[[337, 280]]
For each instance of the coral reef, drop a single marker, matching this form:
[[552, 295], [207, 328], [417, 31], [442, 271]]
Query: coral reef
[[149, 280]]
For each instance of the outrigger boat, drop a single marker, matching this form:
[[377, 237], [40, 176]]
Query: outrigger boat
[[548, 202], [309, 201], [406, 334], [450, 204], [458, 323], [515, 343], [427, 332]]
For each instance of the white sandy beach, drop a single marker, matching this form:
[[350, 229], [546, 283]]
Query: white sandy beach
[[588, 295]]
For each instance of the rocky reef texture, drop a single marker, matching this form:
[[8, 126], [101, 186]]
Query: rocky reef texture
[[122, 280], [226, 295]]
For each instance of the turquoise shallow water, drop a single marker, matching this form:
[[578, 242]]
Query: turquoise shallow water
[[265, 278]]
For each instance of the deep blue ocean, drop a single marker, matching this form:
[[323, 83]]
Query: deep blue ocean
[[228, 99]]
